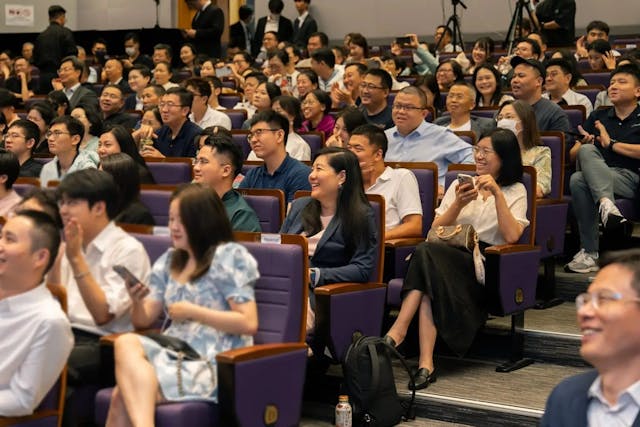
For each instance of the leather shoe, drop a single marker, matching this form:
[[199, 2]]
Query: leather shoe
[[422, 379], [389, 341]]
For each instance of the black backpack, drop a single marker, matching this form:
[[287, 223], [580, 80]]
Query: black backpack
[[369, 382]]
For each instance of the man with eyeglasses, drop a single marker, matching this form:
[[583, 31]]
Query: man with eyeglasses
[[176, 138], [64, 137], [217, 165], [69, 82], [374, 90], [201, 113], [460, 101], [268, 139], [20, 139], [398, 186], [558, 86], [323, 63], [413, 139], [608, 317], [9, 171], [112, 105]]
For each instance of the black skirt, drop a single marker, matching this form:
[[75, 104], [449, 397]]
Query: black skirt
[[447, 275]]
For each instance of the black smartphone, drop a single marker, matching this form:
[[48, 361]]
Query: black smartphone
[[403, 40], [128, 276]]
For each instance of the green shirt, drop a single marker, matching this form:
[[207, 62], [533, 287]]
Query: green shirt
[[240, 214]]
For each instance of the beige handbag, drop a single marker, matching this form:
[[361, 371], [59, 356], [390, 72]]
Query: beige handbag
[[462, 236]]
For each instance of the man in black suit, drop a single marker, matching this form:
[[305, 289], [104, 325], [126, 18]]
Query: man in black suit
[[68, 81], [206, 27], [608, 317], [304, 25], [53, 44], [273, 22], [240, 33]]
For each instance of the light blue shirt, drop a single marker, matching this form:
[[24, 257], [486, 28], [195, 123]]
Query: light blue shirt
[[428, 143], [623, 413]]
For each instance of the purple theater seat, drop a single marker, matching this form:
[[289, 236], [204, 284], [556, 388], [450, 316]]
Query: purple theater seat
[[229, 101], [467, 136], [171, 170], [23, 185], [250, 164], [315, 140], [237, 117], [391, 97], [269, 205], [240, 139], [486, 112], [157, 201], [597, 78], [590, 91], [264, 381], [577, 115]]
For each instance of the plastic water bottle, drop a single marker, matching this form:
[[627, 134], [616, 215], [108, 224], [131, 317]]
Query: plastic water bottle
[[343, 412]]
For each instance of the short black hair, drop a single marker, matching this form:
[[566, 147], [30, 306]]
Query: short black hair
[[324, 55], [362, 69], [55, 11], [352, 117], [629, 259], [92, 185], [164, 46], [75, 62], [30, 129], [261, 78], [275, 120], [324, 38], [276, 6], [74, 126], [47, 199], [559, 62], [447, 30], [93, 117], [10, 166], [600, 46], [228, 149], [201, 85], [7, 99], [598, 25], [281, 54], [275, 34], [45, 109], [375, 135], [631, 69], [292, 106], [244, 12], [385, 77], [45, 234], [535, 46], [142, 69], [132, 36], [505, 144], [186, 98]]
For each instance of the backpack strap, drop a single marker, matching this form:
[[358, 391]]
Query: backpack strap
[[409, 410], [375, 371]]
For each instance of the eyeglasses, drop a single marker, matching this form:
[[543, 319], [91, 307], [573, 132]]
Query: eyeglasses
[[55, 133], [169, 105], [110, 95], [201, 161], [481, 150], [444, 70], [65, 70], [369, 86], [599, 299], [13, 136], [258, 133], [400, 107]]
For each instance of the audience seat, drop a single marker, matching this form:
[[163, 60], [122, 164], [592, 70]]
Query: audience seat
[[467, 136], [267, 378], [577, 115], [269, 205], [598, 78], [229, 101], [24, 184], [315, 140], [171, 170], [154, 244], [237, 117], [250, 164], [590, 91], [157, 201]]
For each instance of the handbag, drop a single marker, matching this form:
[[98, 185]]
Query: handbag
[[461, 236]]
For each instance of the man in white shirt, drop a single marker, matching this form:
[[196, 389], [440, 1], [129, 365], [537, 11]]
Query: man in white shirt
[[201, 113], [558, 86], [399, 187], [608, 317], [98, 300], [323, 63], [36, 335]]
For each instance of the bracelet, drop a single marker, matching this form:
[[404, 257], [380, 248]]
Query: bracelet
[[611, 143], [81, 275]]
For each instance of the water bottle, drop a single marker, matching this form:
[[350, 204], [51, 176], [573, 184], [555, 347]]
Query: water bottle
[[343, 412]]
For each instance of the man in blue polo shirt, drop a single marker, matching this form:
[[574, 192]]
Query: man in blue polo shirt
[[268, 138], [608, 158], [177, 137]]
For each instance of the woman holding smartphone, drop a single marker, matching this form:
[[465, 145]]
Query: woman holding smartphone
[[441, 283], [204, 285]]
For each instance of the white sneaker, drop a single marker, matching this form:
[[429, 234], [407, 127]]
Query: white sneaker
[[610, 214], [583, 262]]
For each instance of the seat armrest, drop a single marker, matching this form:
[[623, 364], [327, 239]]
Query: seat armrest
[[509, 249], [256, 352], [548, 202], [395, 243], [28, 419], [341, 288]]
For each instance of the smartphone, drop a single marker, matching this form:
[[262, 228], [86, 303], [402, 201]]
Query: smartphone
[[403, 40], [223, 71], [464, 179], [128, 276]]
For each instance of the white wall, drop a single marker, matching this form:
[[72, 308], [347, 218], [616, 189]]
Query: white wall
[[391, 18], [41, 14], [123, 14]]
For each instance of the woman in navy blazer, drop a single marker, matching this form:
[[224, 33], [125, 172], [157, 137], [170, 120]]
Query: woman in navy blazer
[[337, 219]]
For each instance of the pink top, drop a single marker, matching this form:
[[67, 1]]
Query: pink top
[[325, 125], [8, 202]]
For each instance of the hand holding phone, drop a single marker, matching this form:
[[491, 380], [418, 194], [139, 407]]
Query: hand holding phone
[[403, 41], [463, 178], [136, 292]]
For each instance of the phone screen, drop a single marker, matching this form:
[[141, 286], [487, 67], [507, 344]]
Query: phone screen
[[126, 275], [223, 72], [403, 40], [464, 179]]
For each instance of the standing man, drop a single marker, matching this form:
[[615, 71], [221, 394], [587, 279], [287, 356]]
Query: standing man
[[36, 335], [240, 33], [206, 27], [608, 317], [557, 19], [273, 22], [304, 25], [53, 44]]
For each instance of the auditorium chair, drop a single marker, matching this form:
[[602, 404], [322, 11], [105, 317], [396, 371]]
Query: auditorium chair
[[229, 101], [577, 115], [24, 184], [315, 140], [268, 204], [240, 139], [156, 198], [154, 244], [598, 78], [590, 91], [261, 384], [467, 136], [170, 170], [237, 117]]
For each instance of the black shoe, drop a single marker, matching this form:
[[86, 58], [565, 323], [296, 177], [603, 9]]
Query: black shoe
[[389, 341], [422, 379]]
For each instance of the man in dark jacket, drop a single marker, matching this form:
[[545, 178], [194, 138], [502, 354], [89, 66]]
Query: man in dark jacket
[[53, 44], [206, 27]]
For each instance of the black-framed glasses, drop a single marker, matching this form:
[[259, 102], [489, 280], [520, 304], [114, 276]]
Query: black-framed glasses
[[369, 86], [258, 133], [601, 298], [56, 133], [169, 105]]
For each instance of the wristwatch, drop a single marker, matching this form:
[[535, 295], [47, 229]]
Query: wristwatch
[[611, 142]]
